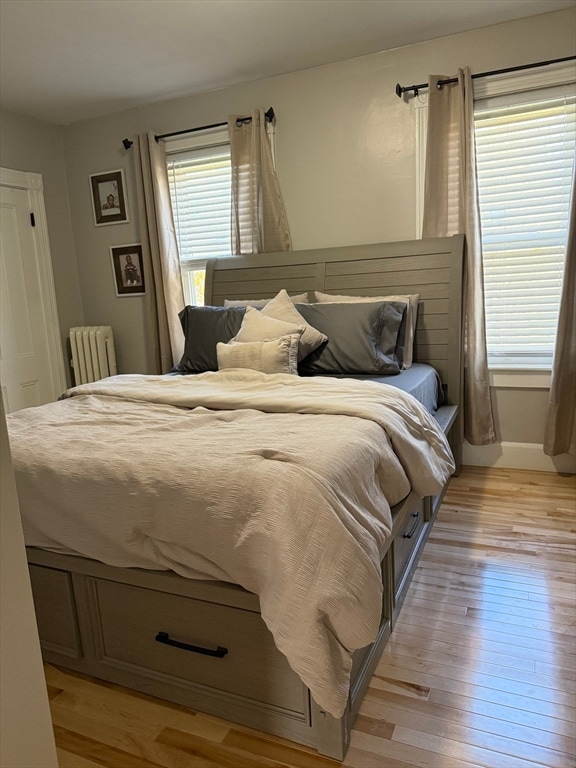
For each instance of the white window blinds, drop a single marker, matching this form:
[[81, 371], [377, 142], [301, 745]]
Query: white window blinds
[[525, 159], [200, 189]]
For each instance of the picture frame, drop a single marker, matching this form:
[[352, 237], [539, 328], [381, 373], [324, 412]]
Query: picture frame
[[109, 198], [128, 270]]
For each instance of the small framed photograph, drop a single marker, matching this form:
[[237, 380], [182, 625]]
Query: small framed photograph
[[128, 270], [109, 198]]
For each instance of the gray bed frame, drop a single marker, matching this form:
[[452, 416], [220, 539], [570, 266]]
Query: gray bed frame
[[204, 644]]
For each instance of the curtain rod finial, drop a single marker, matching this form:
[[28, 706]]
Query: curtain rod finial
[[127, 143], [399, 90]]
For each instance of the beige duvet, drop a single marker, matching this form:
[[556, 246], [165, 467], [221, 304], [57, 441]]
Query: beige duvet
[[278, 483]]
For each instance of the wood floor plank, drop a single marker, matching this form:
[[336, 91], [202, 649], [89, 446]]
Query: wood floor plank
[[453, 654], [53, 692], [487, 733], [431, 556], [487, 585], [454, 707], [359, 758], [70, 760], [147, 707], [99, 752], [535, 650], [115, 740], [489, 689], [508, 623], [90, 728], [503, 573], [416, 756], [108, 714], [474, 672], [480, 670], [501, 605], [449, 748], [253, 743], [219, 754]]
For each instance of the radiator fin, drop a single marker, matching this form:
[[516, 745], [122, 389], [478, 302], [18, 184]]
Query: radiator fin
[[93, 355]]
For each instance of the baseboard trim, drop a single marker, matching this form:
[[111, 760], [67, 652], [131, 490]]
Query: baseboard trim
[[517, 456]]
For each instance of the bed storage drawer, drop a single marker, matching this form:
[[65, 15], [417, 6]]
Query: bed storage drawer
[[409, 537], [185, 641], [55, 609]]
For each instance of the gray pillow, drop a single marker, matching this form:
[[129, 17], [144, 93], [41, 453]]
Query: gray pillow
[[204, 328], [404, 350], [362, 338]]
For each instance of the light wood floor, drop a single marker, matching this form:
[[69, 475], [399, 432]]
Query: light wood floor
[[480, 669]]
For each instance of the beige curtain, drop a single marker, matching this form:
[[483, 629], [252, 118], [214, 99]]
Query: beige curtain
[[560, 434], [259, 223], [451, 207], [164, 295]]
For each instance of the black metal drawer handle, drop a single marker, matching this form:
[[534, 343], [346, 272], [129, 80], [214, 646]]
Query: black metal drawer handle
[[164, 637], [410, 533]]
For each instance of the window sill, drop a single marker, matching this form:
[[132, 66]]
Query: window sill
[[520, 378]]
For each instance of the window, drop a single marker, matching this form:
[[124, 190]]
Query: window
[[200, 189], [525, 143], [525, 160]]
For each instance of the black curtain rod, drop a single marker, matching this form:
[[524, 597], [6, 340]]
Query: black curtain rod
[[269, 115], [415, 88]]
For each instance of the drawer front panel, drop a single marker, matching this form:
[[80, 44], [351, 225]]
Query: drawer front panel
[[55, 611], [241, 656], [407, 540]]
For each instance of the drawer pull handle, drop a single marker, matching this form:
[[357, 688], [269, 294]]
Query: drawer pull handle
[[164, 637], [410, 533]]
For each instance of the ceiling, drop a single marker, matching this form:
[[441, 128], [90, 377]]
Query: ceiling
[[68, 60]]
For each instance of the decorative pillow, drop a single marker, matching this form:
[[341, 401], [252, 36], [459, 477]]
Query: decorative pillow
[[275, 356], [404, 352], [299, 298], [362, 337], [203, 328], [281, 308], [258, 327]]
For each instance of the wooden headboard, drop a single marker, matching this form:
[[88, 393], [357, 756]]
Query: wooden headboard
[[433, 268]]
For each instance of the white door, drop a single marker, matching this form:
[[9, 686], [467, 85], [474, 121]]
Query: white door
[[28, 371]]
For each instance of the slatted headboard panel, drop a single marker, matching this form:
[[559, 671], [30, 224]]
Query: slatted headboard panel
[[433, 268]]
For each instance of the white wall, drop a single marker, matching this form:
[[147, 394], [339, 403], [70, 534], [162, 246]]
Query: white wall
[[35, 146], [26, 736]]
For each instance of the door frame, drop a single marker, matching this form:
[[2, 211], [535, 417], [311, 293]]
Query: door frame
[[33, 183]]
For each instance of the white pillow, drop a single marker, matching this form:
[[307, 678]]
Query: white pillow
[[275, 356], [300, 298], [281, 308], [258, 327], [411, 300]]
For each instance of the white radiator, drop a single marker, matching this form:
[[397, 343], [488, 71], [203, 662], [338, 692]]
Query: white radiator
[[93, 355]]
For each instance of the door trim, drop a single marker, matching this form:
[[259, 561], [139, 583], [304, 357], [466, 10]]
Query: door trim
[[34, 184]]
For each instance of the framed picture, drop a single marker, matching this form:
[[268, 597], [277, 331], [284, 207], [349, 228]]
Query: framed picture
[[128, 270], [108, 198]]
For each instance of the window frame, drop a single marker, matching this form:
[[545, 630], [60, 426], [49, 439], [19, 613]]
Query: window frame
[[563, 74], [531, 106], [204, 139], [212, 137]]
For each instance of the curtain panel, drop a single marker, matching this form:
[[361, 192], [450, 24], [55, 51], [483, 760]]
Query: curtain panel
[[451, 207], [164, 294], [259, 223], [560, 431]]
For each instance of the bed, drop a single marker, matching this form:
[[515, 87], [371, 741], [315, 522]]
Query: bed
[[184, 629]]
